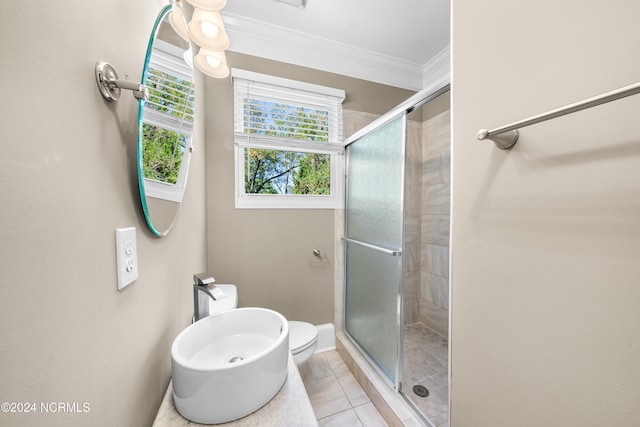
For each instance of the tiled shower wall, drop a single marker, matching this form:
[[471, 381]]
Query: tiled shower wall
[[426, 252], [434, 224], [413, 221], [427, 186]]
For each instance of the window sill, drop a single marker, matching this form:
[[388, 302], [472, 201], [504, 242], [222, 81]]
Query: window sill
[[271, 201]]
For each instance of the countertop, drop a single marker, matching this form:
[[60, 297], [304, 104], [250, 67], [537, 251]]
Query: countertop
[[290, 407]]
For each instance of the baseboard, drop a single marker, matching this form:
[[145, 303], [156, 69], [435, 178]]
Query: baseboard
[[326, 337]]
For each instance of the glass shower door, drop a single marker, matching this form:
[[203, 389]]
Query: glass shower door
[[373, 243]]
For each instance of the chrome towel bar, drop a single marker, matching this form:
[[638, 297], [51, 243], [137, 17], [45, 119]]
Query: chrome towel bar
[[374, 247], [507, 141]]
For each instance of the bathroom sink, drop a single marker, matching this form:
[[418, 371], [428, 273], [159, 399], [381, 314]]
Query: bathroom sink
[[229, 364]]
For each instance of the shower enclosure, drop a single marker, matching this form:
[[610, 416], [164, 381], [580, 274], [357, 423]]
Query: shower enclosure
[[395, 307]]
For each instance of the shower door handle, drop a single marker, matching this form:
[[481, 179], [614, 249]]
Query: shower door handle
[[374, 247]]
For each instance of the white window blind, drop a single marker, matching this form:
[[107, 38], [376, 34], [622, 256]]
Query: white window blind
[[171, 91], [286, 112]]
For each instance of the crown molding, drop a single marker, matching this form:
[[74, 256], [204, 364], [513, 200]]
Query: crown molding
[[437, 68], [256, 38]]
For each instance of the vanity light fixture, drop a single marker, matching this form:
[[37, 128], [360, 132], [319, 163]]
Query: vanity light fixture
[[110, 85], [205, 29], [178, 23], [212, 63]]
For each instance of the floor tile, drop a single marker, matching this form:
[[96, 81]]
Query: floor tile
[[335, 362], [352, 389], [369, 416], [426, 363], [335, 394], [347, 418], [316, 367], [326, 396]]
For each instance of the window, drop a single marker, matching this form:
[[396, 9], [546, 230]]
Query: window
[[288, 147], [167, 123]]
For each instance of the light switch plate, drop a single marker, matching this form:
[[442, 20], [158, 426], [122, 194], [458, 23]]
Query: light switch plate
[[126, 256]]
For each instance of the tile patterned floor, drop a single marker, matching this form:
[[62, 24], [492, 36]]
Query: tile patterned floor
[[426, 363], [336, 397]]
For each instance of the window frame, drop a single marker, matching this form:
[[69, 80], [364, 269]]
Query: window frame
[[334, 148], [167, 59]]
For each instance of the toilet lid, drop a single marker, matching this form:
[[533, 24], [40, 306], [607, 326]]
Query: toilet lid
[[301, 335]]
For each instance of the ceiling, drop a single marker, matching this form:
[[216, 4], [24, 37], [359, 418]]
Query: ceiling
[[404, 43]]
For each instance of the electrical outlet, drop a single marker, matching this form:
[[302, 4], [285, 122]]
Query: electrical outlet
[[126, 256]]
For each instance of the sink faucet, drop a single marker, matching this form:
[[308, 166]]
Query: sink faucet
[[201, 306]]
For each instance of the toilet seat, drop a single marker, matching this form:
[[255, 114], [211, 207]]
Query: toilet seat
[[302, 335]]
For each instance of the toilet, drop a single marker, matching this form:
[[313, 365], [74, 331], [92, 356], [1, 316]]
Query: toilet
[[303, 340], [229, 301], [303, 336]]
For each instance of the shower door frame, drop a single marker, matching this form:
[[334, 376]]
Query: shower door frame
[[427, 94]]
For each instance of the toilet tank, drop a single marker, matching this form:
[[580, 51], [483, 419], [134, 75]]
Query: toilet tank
[[228, 302]]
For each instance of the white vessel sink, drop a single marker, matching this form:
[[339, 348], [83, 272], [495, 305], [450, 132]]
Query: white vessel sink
[[229, 364]]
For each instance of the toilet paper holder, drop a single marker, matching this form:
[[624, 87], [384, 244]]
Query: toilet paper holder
[[322, 258]]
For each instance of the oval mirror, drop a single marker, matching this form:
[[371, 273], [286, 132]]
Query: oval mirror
[[165, 124]]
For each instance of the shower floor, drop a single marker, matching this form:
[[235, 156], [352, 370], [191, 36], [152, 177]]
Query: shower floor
[[426, 364]]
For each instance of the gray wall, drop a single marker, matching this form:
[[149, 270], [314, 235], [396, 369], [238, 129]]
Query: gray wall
[[546, 237], [67, 181], [265, 251]]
